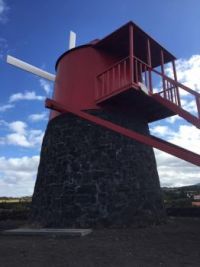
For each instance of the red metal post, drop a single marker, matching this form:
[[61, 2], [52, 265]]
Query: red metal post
[[175, 78], [198, 105], [174, 70], [149, 52], [119, 75], [150, 65], [136, 70], [113, 79], [131, 53], [107, 83], [163, 72], [125, 78]]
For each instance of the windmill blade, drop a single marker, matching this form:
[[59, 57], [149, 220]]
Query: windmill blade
[[30, 68], [72, 40]]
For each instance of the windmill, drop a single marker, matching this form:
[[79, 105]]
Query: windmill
[[97, 164]]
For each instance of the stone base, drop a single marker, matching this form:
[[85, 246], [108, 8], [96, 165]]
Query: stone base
[[90, 176]]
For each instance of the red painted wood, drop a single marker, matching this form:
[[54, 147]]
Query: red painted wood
[[148, 140]]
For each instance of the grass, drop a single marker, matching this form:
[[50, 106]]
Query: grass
[[10, 200]]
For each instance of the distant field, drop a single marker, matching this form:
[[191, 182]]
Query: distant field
[[15, 200], [9, 200]]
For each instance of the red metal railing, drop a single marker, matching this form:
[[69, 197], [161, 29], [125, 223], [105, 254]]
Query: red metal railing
[[118, 77], [142, 73], [173, 91], [113, 79]]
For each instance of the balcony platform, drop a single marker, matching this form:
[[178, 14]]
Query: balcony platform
[[134, 100]]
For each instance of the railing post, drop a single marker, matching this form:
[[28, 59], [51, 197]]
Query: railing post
[[119, 75], [174, 70], [145, 75], [198, 105], [107, 91], [103, 87], [163, 72], [96, 87], [113, 79], [175, 78], [125, 77], [150, 65], [136, 70], [131, 54], [178, 96]]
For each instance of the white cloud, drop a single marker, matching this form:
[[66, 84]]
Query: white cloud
[[174, 171], [3, 10], [3, 108], [187, 136], [46, 86], [25, 96], [17, 175], [188, 72], [189, 105], [35, 137], [38, 117], [21, 135], [17, 139], [18, 127], [160, 130], [173, 119]]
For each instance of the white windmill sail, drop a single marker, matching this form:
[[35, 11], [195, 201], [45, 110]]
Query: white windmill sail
[[30, 68], [72, 40]]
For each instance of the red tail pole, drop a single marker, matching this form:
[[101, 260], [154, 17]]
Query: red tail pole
[[148, 140]]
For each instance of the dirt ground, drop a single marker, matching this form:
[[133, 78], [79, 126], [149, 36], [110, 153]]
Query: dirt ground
[[174, 244]]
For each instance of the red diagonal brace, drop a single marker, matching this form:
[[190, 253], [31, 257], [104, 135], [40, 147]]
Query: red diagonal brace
[[178, 110], [148, 140]]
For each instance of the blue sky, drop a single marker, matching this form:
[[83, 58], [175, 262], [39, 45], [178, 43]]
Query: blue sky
[[37, 32]]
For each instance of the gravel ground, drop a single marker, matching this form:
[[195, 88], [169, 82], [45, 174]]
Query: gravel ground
[[174, 244]]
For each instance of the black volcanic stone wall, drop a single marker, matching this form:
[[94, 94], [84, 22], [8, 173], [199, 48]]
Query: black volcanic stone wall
[[89, 176]]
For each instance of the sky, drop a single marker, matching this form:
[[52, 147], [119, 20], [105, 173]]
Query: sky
[[37, 32]]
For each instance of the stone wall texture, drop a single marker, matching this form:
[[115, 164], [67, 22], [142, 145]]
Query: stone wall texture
[[90, 176]]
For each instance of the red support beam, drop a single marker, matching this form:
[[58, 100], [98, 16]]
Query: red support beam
[[178, 110], [147, 140]]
